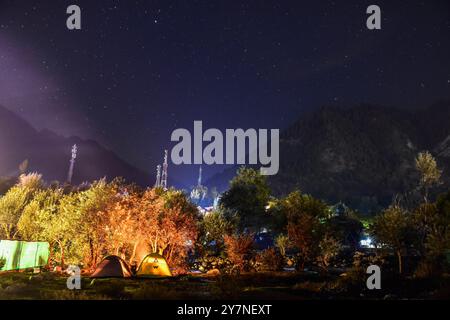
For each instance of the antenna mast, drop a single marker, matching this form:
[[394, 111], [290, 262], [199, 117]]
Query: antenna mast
[[164, 172], [158, 176], [72, 163]]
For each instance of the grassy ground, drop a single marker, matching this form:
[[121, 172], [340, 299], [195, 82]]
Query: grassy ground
[[274, 285]]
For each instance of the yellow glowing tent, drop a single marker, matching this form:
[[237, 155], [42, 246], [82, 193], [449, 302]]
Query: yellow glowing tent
[[153, 265]]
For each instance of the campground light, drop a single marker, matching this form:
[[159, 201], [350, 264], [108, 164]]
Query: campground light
[[367, 243]]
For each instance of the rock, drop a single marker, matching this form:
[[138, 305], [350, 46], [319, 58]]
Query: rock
[[213, 272]]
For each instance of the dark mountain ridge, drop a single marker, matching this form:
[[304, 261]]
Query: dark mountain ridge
[[362, 155], [49, 153]]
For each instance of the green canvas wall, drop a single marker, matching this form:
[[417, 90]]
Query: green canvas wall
[[16, 255]]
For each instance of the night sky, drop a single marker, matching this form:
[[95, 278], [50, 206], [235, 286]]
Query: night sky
[[140, 69]]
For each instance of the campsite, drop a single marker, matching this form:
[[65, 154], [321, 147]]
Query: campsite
[[114, 279], [121, 242], [261, 286]]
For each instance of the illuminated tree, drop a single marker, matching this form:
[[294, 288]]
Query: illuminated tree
[[304, 215], [34, 218], [91, 209], [155, 221], [14, 202], [430, 174], [168, 223], [31, 181], [282, 243]]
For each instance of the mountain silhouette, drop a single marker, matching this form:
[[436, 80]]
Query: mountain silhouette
[[362, 155], [49, 153]]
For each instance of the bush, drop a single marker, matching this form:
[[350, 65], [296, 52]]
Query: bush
[[239, 249], [207, 263], [269, 260], [329, 249], [427, 269]]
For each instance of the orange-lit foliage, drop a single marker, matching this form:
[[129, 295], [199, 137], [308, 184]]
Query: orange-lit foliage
[[239, 248], [141, 224], [301, 233]]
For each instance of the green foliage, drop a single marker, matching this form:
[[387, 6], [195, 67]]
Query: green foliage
[[214, 227], [346, 229], [432, 222], [304, 216], [394, 228], [14, 202], [177, 199], [246, 200], [430, 174], [282, 243], [37, 213], [329, 249]]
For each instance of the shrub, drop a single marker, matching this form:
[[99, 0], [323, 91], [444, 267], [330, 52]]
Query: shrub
[[329, 249], [282, 243], [269, 260], [239, 249]]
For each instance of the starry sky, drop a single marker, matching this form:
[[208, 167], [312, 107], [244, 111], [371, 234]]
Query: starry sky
[[140, 69]]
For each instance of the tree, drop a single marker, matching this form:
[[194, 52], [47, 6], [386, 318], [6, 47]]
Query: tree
[[33, 220], [213, 228], [304, 215], [430, 174], [246, 200], [432, 221], [393, 228], [61, 227], [14, 202], [91, 208], [282, 243], [160, 221], [329, 249], [32, 181], [121, 225]]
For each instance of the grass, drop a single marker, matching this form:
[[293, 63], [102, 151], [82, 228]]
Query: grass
[[262, 286]]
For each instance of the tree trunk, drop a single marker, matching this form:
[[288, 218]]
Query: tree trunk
[[133, 254], [399, 256], [61, 248]]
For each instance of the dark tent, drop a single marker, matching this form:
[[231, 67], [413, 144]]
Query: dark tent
[[112, 267]]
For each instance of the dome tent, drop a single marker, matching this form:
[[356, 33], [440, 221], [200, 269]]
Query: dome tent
[[112, 267], [153, 266]]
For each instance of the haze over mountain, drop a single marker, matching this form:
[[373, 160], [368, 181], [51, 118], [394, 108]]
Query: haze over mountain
[[49, 154], [362, 155]]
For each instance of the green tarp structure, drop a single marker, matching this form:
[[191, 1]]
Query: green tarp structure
[[16, 255]]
